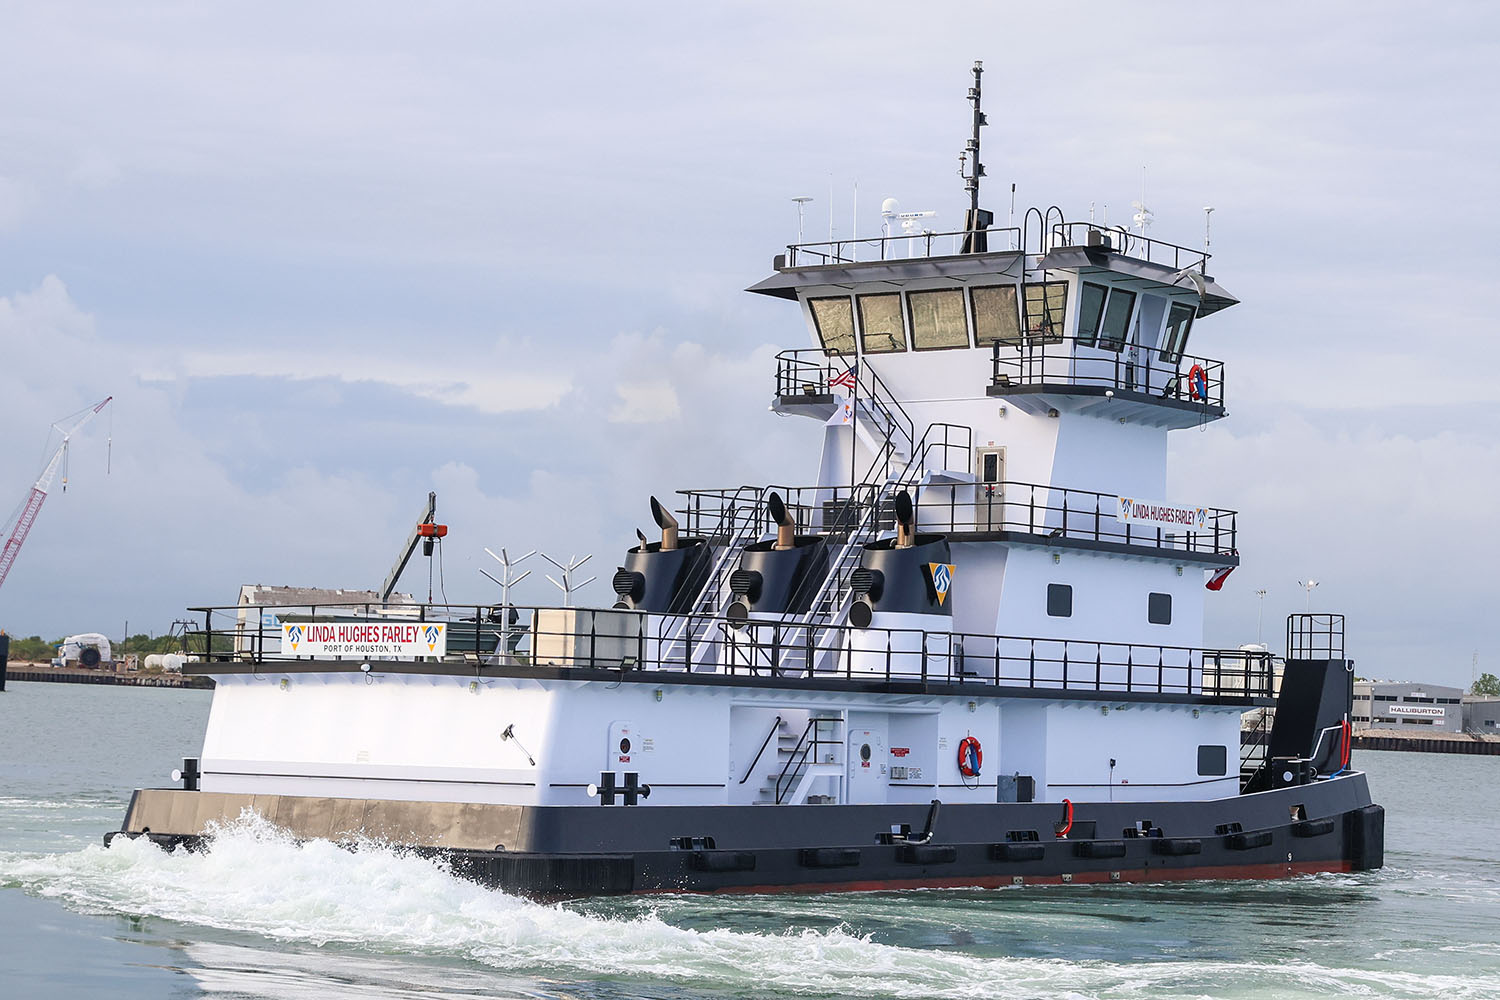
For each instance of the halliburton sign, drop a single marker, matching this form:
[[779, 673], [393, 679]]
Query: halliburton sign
[[1417, 711]]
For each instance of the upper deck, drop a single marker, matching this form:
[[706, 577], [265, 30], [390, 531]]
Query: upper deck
[[1067, 316]]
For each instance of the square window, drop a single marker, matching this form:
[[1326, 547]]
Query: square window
[[1213, 761], [1179, 322], [1060, 600], [1112, 334], [997, 315], [834, 319], [1046, 307], [1091, 313], [880, 324], [1159, 609], [938, 319]]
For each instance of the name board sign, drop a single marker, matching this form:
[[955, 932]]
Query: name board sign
[[1156, 514], [407, 640], [1419, 711]]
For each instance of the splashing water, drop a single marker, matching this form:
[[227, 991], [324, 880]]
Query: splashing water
[[255, 879]]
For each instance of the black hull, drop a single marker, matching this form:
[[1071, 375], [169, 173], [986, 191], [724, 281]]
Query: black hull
[[1327, 826]]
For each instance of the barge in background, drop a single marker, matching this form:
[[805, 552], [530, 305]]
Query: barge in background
[[970, 654]]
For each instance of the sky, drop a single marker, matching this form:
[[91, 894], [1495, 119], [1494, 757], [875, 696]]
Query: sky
[[329, 257]]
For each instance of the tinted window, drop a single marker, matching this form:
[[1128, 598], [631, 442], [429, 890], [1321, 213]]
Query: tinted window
[[1046, 305], [937, 319], [1059, 600], [880, 324], [1159, 609], [1091, 312], [997, 315], [1213, 761], [1116, 319], [834, 319], [1179, 322]]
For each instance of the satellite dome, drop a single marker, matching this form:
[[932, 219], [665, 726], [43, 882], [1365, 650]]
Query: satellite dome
[[890, 207]]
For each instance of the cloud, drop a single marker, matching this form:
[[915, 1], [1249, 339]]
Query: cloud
[[482, 383]]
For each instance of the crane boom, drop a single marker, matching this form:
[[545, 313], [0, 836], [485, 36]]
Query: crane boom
[[38, 495]]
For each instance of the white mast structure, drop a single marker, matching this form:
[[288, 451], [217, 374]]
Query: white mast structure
[[33, 504]]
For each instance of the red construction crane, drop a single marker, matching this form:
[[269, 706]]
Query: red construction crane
[[33, 505]]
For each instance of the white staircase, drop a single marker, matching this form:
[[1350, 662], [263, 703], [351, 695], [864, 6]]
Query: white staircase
[[803, 756]]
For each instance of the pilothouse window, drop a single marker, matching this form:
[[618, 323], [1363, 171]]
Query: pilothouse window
[[937, 319], [834, 319], [997, 315], [1179, 322], [1116, 319], [1046, 305], [880, 324], [1091, 313]]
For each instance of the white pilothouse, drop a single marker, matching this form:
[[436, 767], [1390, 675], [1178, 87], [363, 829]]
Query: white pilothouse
[[985, 606]]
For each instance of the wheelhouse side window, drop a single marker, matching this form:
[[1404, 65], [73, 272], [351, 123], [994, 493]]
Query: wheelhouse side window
[[1116, 319], [834, 319], [880, 326], [937, 319], [997, 315], [1091, 313], [1179, 322], [1060, 600], [1046, 307]]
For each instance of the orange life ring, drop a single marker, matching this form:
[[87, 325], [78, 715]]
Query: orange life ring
[[970, 756], [1197, 382]]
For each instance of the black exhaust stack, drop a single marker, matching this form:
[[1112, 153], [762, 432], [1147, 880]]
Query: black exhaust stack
[[778, 576], [663, 577]]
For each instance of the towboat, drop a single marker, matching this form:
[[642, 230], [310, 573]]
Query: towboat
[[968, 654]]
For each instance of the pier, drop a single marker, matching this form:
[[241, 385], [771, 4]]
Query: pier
[[72, 675]]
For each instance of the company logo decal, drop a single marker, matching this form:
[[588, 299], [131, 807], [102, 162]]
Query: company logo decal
[[432, 635], [942, 579], [294, 636]]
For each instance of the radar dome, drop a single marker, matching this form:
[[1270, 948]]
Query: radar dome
[[890, 207]]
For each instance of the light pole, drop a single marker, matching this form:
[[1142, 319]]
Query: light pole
[[1260, 617], [801, 201], [1308, 586]]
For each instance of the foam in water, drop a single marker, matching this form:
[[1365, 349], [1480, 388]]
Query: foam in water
[[255, 879]]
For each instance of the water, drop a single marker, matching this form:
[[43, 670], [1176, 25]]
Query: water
[[261, 917]]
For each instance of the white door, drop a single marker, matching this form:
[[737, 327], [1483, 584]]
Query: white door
[[867, 766]]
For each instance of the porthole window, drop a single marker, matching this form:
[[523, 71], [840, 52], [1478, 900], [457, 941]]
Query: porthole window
[[625, 744], [1060, 600], [1213, 761], [864, 751], [1159, 609]]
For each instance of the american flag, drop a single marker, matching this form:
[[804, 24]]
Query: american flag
[[848, 380]]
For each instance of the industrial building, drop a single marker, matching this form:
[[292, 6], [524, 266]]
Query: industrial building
[[1481, 713], [1404, 705]]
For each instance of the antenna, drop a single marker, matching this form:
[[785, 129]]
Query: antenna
[[1260, 616], [1208, 213], [889, 210], [1142, 216], [566, 585], [976, 221], [801, 201]]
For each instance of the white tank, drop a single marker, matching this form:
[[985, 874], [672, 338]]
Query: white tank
[[173, 662], [153, 662]]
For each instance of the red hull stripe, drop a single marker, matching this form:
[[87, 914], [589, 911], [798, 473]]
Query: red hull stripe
[[1278, 870]]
